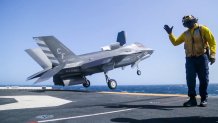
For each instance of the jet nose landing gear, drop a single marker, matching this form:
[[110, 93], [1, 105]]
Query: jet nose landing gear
[[139, 72]]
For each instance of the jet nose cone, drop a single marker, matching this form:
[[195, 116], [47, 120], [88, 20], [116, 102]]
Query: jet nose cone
[[149, 51]]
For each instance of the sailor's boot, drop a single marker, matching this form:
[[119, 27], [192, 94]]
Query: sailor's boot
[[203, 102], [191, 102]]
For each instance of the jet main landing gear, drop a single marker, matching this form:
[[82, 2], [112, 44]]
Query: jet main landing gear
[[112, 84], [86, 84]]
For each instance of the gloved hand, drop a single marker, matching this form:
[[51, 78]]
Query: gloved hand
[[168, 29], [212, 60]]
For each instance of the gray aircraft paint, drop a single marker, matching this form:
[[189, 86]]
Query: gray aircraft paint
[[70, 69]]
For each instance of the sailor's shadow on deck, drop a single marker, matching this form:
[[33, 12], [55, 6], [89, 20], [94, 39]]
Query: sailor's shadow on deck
[[158, 107], [193, 119], [123, 104]]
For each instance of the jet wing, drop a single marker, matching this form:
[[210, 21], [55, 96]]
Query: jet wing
[[106, 63], [97, 62], [113, 61]]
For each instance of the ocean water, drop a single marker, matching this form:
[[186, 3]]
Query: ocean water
[[161, 89]]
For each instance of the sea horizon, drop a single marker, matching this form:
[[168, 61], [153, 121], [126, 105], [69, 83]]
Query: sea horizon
[[161, 89]]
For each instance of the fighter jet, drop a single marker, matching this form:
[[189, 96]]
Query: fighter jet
[[67, 68]]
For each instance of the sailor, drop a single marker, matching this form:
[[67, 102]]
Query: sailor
[[200, 49]]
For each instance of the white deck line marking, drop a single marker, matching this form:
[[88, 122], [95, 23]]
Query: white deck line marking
[[103, 113], [33, 101], [82, 116]]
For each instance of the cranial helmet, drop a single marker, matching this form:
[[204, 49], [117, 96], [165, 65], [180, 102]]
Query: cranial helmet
[[188, 19]]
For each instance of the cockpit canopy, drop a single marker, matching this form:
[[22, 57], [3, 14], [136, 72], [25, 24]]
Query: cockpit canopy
[[111, 47]]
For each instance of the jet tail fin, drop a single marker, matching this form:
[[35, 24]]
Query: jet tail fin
[[39, 57], [52, 46], [121, 38]]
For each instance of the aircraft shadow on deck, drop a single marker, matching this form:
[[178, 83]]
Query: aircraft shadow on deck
[[193, 119]]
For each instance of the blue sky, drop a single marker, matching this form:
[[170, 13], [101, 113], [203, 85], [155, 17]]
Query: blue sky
[[86, 25]]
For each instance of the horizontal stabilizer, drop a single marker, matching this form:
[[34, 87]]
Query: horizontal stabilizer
[[50, 73], [38, 55], [38, 74]]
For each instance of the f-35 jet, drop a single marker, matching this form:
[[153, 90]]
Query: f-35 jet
[[67, 68]]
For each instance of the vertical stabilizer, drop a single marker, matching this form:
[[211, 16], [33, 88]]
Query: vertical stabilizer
[[121, 38], [52, 46]]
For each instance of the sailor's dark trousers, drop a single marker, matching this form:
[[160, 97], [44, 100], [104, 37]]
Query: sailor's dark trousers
[[197, 66]]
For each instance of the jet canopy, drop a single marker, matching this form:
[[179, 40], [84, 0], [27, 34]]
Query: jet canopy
[[121, 40], [111, 47]]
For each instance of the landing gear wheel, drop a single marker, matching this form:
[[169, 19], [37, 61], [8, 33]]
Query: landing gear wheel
[[112, 84], [86, 84], [139, 72]]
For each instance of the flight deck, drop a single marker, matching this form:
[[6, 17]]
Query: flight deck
[[72, 106]]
